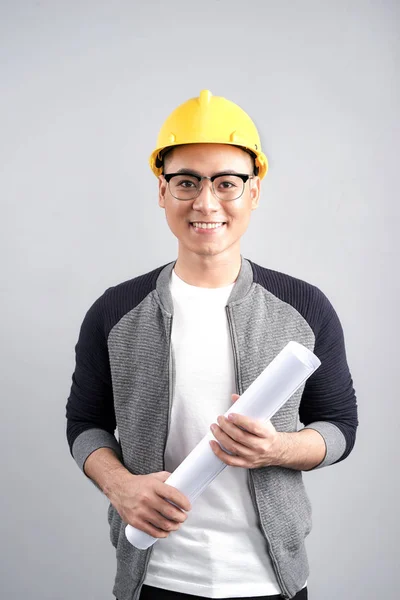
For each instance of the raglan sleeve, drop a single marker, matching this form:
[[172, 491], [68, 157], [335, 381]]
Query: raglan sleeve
[[90, 411], [328, 403]]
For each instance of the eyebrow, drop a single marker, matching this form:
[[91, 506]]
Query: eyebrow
[[185, 171]]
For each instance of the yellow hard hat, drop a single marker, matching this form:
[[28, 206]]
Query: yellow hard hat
[[209, 119]]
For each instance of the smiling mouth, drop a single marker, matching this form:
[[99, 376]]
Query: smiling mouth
[[208, 225]]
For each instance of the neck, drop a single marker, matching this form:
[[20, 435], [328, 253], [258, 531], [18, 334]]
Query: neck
[[208, 271]]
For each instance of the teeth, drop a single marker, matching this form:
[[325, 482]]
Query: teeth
[[207, 225]]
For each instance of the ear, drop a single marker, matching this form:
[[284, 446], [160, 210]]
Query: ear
[[255, 189], [162, 188]]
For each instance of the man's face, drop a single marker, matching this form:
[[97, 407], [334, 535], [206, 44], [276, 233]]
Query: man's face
[[209, 159]]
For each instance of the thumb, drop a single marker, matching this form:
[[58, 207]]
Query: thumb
[[161, 475], [235, 397]]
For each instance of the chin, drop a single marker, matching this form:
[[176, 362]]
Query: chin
[[204, 250]]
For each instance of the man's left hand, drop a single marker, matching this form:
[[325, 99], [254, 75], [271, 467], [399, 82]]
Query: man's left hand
[[253, 443]]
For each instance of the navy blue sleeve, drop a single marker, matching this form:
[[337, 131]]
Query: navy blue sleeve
[[90, 403], [329, 394]]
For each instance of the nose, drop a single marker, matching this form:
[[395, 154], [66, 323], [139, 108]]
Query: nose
[[206, 201]]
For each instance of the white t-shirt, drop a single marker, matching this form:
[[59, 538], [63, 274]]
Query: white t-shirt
[[219, 551]]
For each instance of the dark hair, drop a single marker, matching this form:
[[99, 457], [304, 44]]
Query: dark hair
[[161, 156]]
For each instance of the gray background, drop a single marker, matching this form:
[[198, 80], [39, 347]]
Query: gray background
[[84, 88]]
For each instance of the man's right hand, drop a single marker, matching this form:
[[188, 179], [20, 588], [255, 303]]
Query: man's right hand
[[142, 501]]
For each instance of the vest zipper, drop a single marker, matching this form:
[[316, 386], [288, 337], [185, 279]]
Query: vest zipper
[[146, 564], [170, 387], [271, 554], [170, 370], [250, 478]]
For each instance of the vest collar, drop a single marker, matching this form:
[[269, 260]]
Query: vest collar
[[239, 290]]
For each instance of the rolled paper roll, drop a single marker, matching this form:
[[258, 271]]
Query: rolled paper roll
[[262, 399]]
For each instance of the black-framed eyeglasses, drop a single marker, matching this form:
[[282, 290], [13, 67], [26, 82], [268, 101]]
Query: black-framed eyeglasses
[[225, 186]]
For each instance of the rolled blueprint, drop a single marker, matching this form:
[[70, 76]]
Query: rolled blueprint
[[262, 399]]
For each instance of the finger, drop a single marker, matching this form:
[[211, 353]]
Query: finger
[[253, 426], [150, 529], [235, 397], [230, 444], [228, 459], [171, 512], [175, 496], [161, 522], [152, 515], [145, 521], [161, 475], [239, 435]]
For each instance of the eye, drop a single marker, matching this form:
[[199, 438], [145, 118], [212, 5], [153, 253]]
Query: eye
[[226, 184], [186, 183]]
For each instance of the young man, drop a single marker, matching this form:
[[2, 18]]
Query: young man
[[162, 356]]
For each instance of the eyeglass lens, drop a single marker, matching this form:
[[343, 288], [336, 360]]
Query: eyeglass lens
[[186, 187]]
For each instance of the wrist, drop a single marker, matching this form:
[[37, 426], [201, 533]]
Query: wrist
[[104, 467], [300, 450], [282, 449], [115, 481]]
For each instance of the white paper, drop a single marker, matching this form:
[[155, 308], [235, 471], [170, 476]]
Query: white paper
[[262, 399]]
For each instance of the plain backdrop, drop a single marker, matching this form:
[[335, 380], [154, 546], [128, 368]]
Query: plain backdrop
[[84, 89]]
